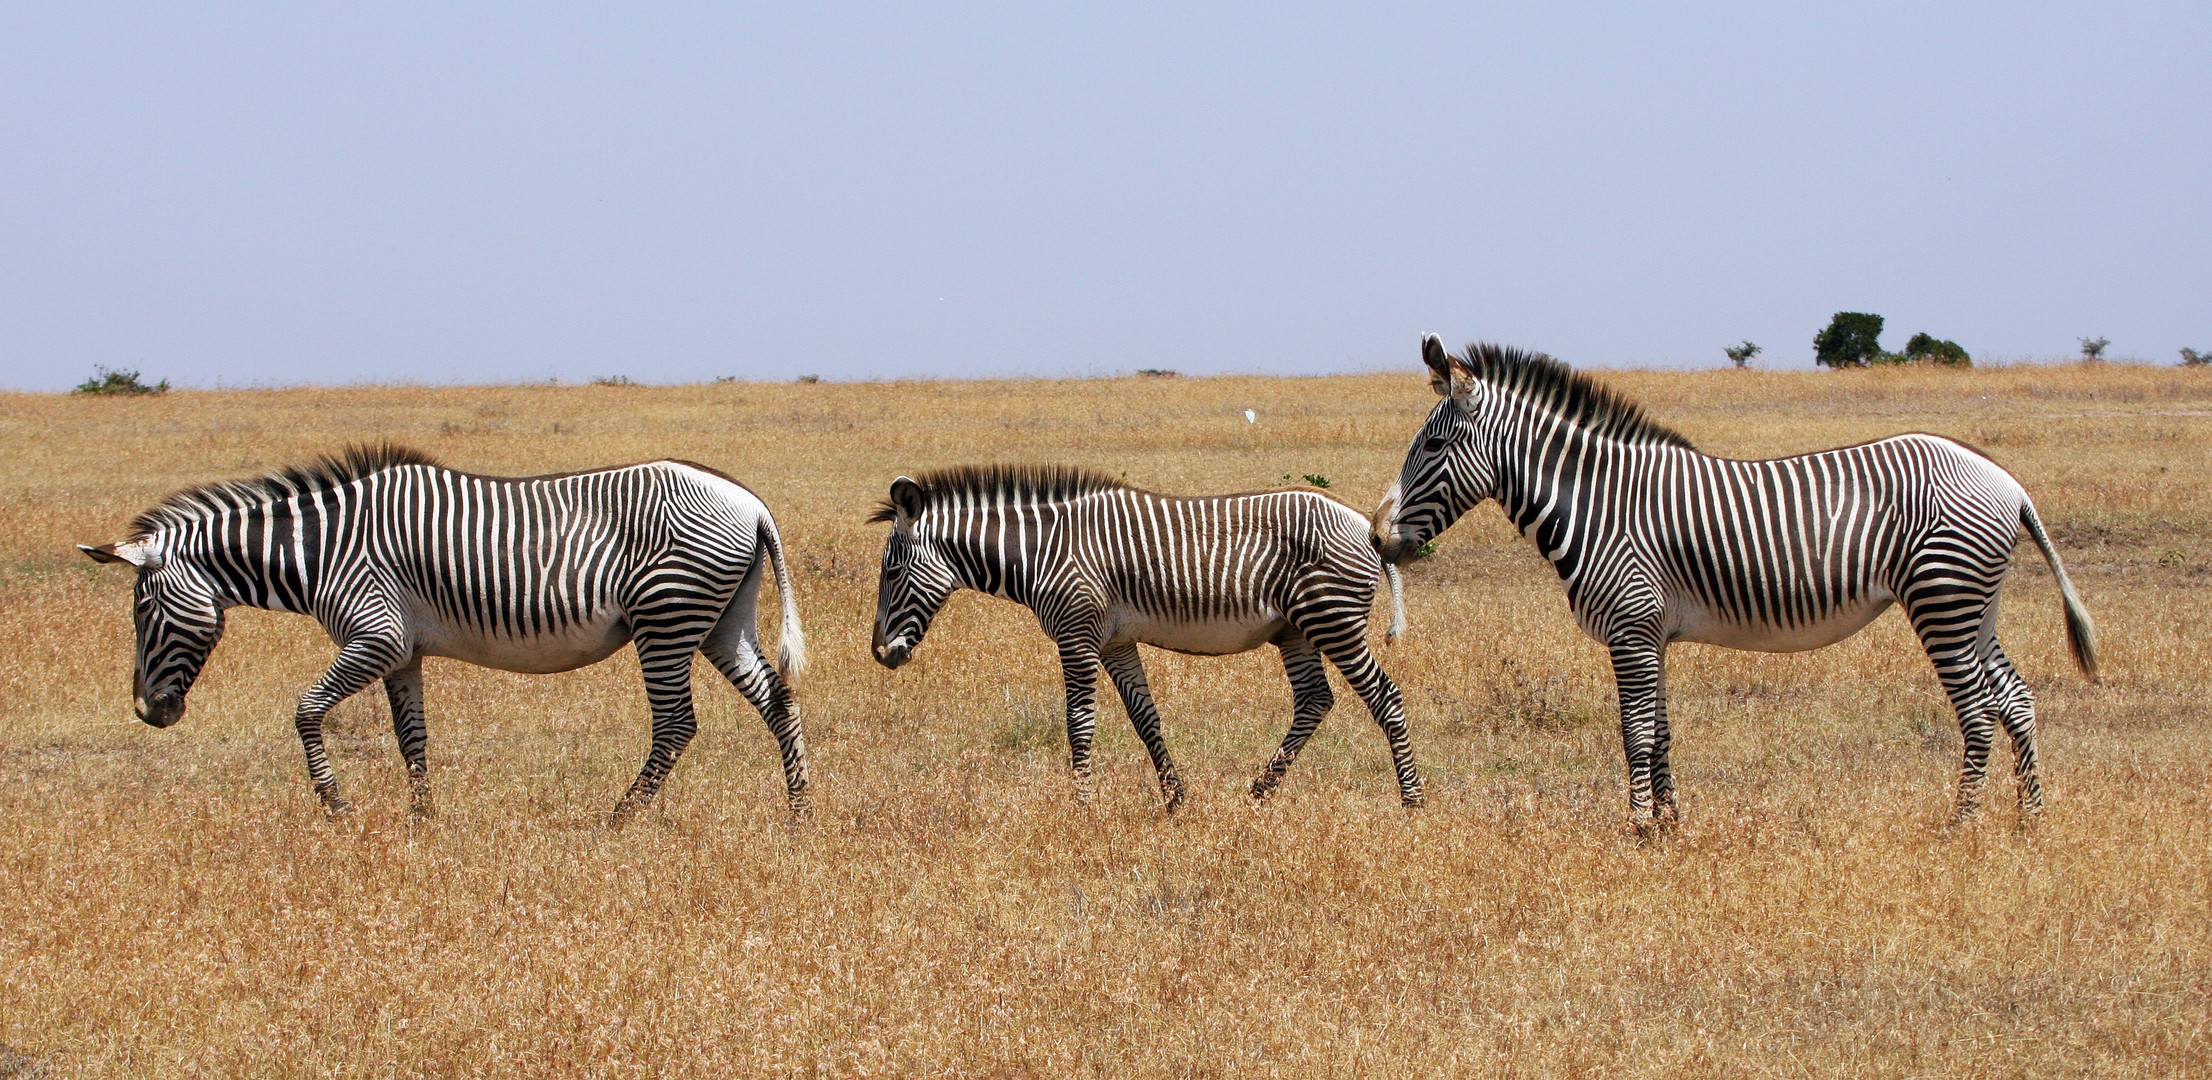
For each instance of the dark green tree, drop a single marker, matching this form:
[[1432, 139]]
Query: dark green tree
[[124, 383], [1853, 339], [1929, 349]]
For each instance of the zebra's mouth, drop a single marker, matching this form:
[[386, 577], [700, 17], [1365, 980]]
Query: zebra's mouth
[[894, 654]]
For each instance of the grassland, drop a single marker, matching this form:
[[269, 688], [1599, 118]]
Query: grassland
[[172, 903]]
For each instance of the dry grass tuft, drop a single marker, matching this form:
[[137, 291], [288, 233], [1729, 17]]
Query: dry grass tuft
[[172, 903]]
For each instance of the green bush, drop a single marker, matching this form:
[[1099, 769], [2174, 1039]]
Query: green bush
[[1740, 355], [1853, 339], [2193, 358], [1928, 349], [120, 383]]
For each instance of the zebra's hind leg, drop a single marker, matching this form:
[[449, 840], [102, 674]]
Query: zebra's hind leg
[[1951, 614], [403, 688], [1127, 670], [1345, 644], [1311, 701], [2016, 708], [738, 658], [667, 670], [361, 661]]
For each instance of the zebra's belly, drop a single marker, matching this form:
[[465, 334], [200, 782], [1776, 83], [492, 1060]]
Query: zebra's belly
[[1215, 637], [577, 645], [1697, 622]]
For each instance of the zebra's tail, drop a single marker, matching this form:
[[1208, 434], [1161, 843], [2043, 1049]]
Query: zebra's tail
[[791, 643], [2081, 634], [1397, 605]]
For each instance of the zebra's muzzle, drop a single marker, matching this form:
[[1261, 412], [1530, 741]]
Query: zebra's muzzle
[[894, 654], [161, 710]]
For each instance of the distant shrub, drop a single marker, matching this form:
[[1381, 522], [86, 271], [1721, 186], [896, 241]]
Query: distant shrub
[[2193, 358], [121, 383], [810, 379], [2092, 349], [1158, 373], [1928, 349], [613, 380], [1740, 355], [1853, 339]]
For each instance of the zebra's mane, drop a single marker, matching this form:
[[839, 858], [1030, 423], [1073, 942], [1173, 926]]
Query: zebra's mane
[[1568, 393], [322, 474], [1003, 483]]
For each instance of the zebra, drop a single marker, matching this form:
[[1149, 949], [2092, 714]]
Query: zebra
[[1656, 542], [1106, 566], [399, 557]]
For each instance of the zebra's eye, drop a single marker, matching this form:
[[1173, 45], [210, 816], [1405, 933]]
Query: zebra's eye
[[1435, 443]]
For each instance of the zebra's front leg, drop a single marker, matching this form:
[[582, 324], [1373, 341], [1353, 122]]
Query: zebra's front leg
[[1638, 675], [741, 663], [360, 661], [667, 670], [1127, 670], [1311, 701], [403, 689], [1079, 668]]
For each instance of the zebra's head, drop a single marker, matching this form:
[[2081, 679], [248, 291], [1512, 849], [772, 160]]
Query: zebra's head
[[916, 576], [179, 618], [1448, 470]]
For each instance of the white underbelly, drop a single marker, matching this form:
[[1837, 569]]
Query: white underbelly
[[1218, 637], [1694, 622], [575, 646]]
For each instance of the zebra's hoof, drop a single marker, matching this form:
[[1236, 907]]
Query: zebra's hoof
[[801, 806], [1261, 789], [1413, 801], [336, 807]]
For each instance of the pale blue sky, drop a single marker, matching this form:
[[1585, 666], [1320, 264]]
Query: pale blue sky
[[247, 193]]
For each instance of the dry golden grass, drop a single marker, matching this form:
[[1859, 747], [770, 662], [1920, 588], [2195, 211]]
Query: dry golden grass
[[173, 902]]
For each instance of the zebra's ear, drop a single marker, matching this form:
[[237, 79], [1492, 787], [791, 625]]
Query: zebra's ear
[[1440, 364], [138, 554], [906, 497]]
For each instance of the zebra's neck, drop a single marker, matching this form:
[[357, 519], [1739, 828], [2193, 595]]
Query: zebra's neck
[[1549, 468], [992, 548], [254, 555]]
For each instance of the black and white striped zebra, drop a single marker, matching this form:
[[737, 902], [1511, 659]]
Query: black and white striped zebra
[[1658, 543], [1106, 566], [400, 558]]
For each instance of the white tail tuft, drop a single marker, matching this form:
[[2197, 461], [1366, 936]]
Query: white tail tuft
[[1397, 605], [791, 642]]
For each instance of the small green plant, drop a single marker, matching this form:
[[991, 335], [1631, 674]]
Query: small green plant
[[1428, 549], [2092, 349], [1740, 355], [2193, 358], [1853, 339], [1929, 349], [1316, 479], [105, 381]]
